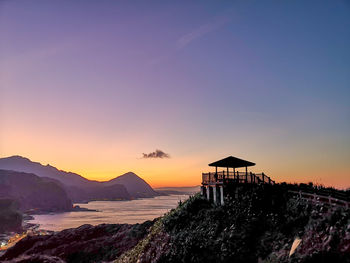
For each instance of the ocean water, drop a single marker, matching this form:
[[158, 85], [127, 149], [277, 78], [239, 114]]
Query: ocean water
[[110, 212]]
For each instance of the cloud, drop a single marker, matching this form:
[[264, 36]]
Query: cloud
[[201, 31], [156, 154], [186, 39]]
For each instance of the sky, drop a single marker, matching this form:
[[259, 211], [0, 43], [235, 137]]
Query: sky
[[96, 87]]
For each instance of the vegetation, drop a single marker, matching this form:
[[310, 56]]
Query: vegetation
[[137, 254], [260, 225], [10, 217]]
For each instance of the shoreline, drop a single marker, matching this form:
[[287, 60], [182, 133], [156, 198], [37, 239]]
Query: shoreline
[[9, 239], [109, 212]]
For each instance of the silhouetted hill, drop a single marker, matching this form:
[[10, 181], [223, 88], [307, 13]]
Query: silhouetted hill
[[21, 164], [135, 185], [33, 192], [94, 191], [80, 189]]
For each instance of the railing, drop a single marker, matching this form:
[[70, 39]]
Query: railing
[[238, 177], [316, 198], [341, 195]]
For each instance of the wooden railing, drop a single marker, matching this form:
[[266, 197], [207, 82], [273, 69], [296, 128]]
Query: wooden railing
[[316, 198], [238, 177]]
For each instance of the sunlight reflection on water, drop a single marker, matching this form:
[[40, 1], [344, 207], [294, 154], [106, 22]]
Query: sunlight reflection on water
[[110, 212]]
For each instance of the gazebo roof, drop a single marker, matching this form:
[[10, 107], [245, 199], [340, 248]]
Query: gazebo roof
[[232, 162]]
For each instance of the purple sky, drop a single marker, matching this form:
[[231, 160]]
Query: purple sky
[[87, 85]]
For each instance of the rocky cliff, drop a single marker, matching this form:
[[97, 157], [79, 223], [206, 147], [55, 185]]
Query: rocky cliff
[[10, 216]]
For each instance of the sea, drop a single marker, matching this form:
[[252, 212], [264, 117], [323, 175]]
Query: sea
[[109, 212]]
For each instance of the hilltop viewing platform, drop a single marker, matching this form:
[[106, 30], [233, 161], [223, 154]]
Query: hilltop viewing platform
[[223, 177], [213, 183]]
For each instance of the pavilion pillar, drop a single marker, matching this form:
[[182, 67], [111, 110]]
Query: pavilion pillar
[[246, 174], [203, 190], [208, 192], [222, 195], [214, 194]]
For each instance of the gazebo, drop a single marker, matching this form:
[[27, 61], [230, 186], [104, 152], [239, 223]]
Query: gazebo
[[213, 183], [231, 162]]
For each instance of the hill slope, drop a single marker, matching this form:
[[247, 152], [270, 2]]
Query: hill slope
[[33, 192], [259, 226], [22, 164], [135, 185], [10, 217]]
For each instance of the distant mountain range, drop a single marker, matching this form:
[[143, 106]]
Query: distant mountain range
[[189, 190], [76, 187]]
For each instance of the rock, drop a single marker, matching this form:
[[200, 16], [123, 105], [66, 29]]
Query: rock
[[27, 217], [77, 208], [36, 259], [86, 243]]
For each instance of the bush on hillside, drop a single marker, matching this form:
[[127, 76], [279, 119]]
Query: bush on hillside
[[261, 220]]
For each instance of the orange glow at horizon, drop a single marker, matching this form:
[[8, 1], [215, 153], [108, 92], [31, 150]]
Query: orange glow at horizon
[[170, 173], [100, 159]]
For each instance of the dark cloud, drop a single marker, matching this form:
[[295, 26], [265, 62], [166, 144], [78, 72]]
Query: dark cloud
[[156, 154]]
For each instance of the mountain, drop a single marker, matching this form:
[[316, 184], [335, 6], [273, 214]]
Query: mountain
[[80, 189], [94, 191], [135, 185], [22, 164], [33, 192]]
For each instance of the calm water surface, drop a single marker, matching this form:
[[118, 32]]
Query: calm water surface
[[111, 212]]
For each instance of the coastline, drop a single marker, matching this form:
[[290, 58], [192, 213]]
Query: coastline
[[32, 226], [109, 212], [9, 239]]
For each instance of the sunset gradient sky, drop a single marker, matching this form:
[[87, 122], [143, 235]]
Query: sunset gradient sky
[[88, 86]]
